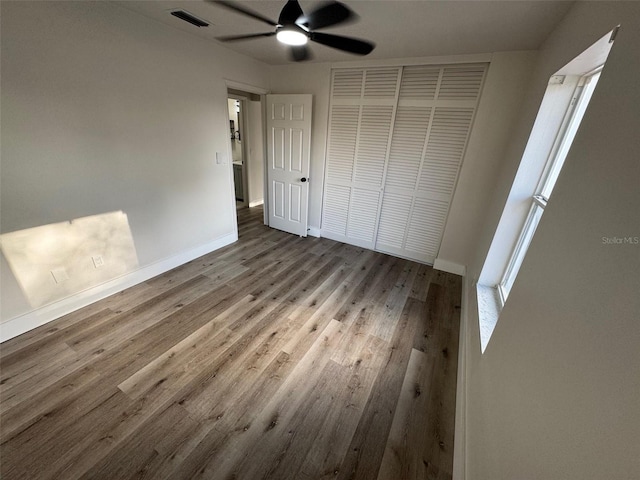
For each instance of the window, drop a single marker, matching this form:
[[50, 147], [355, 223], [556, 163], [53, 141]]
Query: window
[[568, 129], [563, 106]]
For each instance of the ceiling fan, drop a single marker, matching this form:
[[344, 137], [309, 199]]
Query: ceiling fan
[[295, 28]]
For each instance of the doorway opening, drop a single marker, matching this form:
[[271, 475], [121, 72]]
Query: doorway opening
[[246, 148], [238, 154]]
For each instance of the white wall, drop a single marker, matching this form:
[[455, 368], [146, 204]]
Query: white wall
[[104, 110], [504, 89], [555, 396]]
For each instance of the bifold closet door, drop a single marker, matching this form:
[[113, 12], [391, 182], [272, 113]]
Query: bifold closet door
[[361, 120], [435, 111], [393, 162]]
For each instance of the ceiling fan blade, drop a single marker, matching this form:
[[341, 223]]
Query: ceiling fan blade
[[290, 13], [300, 53], [327, 15], [235, 38], [244, 10], [348, 44]]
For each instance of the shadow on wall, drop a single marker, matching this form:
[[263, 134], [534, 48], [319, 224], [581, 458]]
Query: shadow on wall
[[55, 261]]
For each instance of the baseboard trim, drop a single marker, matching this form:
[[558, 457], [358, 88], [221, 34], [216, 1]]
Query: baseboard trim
[[256, 203], [349, 241], [15, 326], [460, 429], [314, 232], [449, 267]]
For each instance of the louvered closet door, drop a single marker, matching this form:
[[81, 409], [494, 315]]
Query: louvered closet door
[[393, 162], [435, 110], [361, 120]]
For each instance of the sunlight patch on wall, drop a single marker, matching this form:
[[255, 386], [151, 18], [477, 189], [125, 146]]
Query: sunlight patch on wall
[[55, 261]]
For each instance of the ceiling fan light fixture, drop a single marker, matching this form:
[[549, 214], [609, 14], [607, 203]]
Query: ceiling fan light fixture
[[295, 29], [292, 37]]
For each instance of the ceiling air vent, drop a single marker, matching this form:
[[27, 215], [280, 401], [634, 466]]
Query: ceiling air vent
[[187, 17]]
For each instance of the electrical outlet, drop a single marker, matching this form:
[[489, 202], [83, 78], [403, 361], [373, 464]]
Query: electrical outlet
[[98, 261], [59, 275], [221, 158]]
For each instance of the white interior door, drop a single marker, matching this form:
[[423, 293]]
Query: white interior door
[[288, 155]]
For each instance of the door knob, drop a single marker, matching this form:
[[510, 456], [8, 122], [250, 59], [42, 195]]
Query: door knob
[[303, 179]]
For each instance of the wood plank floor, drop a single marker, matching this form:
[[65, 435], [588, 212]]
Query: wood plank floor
[[277, 357]]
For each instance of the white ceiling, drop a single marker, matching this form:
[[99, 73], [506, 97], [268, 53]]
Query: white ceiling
[[400, 28]]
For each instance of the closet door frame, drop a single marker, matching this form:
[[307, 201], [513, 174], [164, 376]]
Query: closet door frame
[[397, 102]]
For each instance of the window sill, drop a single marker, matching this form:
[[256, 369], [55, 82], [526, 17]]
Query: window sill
[[489, 308]]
